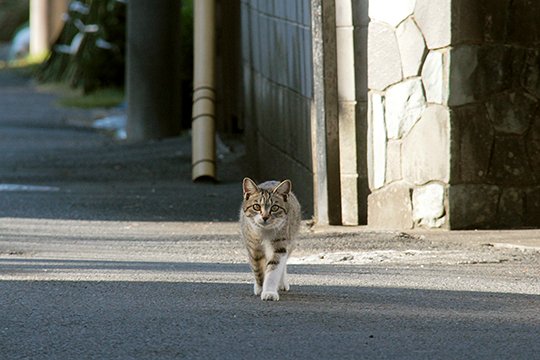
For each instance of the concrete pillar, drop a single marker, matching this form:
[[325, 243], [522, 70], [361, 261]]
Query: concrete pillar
[[45, 24], [153, 83], [347, 112], [325, 115]]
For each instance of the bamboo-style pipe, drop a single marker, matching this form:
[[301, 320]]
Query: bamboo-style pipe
[[203, 126], [45, 24]]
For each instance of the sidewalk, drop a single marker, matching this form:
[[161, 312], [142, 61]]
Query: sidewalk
[[515, 238]]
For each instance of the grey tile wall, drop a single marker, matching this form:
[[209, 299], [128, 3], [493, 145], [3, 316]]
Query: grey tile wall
[[276, 51]]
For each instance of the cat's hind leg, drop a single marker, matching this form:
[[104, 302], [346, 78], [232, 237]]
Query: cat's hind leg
[[257, 289], [284, 282]]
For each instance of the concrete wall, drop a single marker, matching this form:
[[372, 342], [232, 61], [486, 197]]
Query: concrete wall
[[277, 85], [454, 128]]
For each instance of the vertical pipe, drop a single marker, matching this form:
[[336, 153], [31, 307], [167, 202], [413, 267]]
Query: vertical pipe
[[39, 27], [203, 116]]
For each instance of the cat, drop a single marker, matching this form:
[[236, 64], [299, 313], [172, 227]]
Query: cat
[[269, 221]]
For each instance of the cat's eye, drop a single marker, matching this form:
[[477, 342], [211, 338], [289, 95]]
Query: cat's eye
[[256, 207], [274, 208]]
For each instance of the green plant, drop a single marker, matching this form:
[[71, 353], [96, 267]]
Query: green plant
[[105, 97]]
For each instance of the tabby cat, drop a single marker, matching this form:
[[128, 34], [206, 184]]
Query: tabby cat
[[269, 221]]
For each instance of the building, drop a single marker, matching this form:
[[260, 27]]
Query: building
[[397, 113]]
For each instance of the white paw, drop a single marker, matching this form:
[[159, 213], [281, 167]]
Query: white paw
[[284, 282], [257, 289], [270, 296]]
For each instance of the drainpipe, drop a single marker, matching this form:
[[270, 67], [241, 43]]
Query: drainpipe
[[45, 24], [203, 125]]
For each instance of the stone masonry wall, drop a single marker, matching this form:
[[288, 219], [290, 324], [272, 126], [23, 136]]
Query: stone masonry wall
[[408, 125], [277, 71], [495, 114], [454, 126]]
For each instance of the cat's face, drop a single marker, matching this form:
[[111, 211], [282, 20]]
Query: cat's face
[[265, 205]]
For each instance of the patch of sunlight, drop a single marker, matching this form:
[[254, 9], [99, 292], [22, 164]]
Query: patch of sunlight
[[22, 187]]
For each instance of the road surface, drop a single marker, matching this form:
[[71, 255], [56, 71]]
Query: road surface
[[108, 251]]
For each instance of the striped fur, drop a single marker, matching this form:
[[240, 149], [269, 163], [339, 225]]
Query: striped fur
[[269, 222]]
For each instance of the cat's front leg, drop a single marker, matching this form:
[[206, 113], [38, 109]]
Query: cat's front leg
[[274, 275], [257, 263]]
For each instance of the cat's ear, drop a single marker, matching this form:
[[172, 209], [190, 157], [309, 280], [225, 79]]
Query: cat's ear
[[249, 188], [283, 189]]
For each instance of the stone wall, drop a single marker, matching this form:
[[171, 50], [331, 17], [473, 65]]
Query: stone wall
[[454, 127], [277, 85], [496, 118]]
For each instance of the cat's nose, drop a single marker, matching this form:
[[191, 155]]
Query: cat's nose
[[265, 217]]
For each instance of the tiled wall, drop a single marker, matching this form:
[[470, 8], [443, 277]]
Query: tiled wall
[[277, 70]]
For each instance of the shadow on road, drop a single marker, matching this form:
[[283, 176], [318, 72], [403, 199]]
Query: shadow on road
[[91, 176], [130, 319]]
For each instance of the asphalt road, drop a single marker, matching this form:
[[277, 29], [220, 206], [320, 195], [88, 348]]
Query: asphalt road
[[160, 310], [108, 251]]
